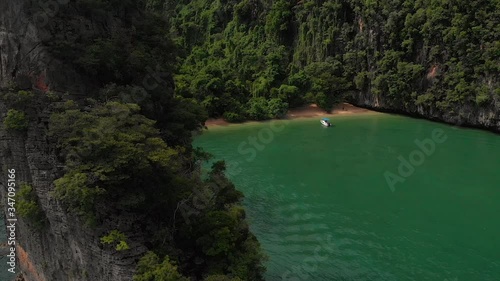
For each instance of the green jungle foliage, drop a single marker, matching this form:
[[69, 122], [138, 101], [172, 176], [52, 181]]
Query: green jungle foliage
[[151, 268], [162, 67], [27, 206], [116, 238], [115, 156], [126, 148], [16, 120], [17, 99], [433, 54]]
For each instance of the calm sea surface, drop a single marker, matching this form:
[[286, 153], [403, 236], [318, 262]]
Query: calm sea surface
[[330, 203]]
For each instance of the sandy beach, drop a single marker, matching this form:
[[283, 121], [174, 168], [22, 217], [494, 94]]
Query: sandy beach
[[308, 111]]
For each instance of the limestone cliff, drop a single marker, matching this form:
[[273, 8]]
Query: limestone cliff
[[24, 60], [467, 115], [435, 59], [64, 249]]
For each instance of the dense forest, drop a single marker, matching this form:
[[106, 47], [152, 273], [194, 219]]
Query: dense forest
[[126, 145], [254, 59], [239, 60], [128, 172]]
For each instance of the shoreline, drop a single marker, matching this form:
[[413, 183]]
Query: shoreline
[[308, 111]]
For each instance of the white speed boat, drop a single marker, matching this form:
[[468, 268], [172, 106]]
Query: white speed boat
[[325, 122]]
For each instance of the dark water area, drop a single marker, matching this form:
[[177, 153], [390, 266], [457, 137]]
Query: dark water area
[[376, 197]]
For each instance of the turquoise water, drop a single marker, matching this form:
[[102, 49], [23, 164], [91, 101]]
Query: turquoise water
[[319, 201]]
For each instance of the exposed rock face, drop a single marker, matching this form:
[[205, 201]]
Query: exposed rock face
[[24, 25], [466, 115], [64, 250]]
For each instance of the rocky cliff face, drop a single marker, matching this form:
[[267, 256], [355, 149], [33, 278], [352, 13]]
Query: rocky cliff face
[[64, 249], [467, 115], [464, 111], [24, 60], [433, 59]]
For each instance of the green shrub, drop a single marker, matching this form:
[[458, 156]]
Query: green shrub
[[277, 108], [53, 96], [425, 99], [310, 97], [104, 149], [16, 120], [19, 99], [75, 190], [291, 94], [116, 238], [233, 117], [257, 109], [360, 80], [150, 268], [323, 102], [28, 207], [300, 80], [25, 96], [482, 96]]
